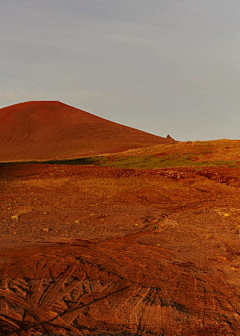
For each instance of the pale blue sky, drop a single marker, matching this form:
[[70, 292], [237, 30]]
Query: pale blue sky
[[163, 66]]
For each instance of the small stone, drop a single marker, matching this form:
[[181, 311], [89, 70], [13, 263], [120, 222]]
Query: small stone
[[77, 221], [46, 229], [15, 217], [136, 224]]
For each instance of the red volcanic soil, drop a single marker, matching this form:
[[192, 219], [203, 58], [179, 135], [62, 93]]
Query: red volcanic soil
[[45, 130], [91, 250]]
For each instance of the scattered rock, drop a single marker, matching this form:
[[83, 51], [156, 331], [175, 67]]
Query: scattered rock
[[46, 229]]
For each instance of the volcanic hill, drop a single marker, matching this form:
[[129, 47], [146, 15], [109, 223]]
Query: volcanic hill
[[42, 130]]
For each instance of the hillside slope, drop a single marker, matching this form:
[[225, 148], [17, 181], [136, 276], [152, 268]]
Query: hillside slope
[[43, 130]]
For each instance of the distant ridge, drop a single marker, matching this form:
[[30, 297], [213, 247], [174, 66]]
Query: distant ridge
[[43, 130]]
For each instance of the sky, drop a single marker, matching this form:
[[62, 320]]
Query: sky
[[162, 66]]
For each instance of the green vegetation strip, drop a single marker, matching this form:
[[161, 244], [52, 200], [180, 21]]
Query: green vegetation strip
[[146, 162]]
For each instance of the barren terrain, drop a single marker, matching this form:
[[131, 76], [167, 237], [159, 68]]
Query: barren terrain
[[109, 250], [139, 242]]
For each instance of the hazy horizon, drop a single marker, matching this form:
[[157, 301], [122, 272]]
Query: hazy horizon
[[165, 67]]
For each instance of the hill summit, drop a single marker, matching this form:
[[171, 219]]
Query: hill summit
[[43, 130]]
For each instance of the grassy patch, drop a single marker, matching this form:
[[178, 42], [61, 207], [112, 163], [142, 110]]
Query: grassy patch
[[95, 160], [146, 161]]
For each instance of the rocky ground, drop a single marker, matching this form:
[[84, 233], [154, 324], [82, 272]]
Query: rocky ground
[[91, 250]]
